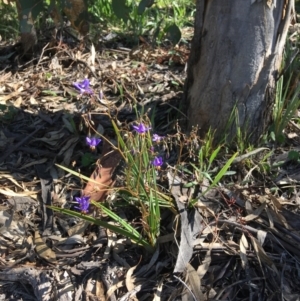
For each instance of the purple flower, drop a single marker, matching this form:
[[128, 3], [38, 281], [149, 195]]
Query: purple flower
[[141, 128], [83, 87], [83, 202], [156, 138], [92, 142], [157, 162]]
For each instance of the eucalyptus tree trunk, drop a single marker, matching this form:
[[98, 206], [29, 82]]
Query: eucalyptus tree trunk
[[235, 59]]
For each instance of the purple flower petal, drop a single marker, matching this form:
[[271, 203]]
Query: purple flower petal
[[156, 138], [157, 162], [141, 128], [83, 86], [83, 202], [92, 142]]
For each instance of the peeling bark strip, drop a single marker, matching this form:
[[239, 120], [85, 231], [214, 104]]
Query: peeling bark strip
[[191, 223], [103, 174], [235, 57]]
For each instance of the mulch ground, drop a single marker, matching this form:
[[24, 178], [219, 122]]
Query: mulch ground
[[239, 242]]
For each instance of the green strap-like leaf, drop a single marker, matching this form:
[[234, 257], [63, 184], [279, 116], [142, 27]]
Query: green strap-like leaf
[[132, 235], [143, 5], [120, 9], [173, 33]]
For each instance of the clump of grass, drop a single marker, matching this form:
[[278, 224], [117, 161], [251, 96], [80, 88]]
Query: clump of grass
[[134, 18], [140, 150], [287, 99], [205, 163], [141, 18], [9, 27], [286, 103]]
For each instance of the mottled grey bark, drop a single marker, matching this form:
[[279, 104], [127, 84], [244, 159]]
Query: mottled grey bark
[[235, 58]]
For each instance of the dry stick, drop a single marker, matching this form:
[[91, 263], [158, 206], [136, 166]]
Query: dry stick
[[273, 232], [288, 232], [41, 56], [186, 286], [289, 248], [235, 283], [15, 147]]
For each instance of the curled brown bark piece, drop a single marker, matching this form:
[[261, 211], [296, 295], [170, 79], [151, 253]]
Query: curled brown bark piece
[[103, 174]]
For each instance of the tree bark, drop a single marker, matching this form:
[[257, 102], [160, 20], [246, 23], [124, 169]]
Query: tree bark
[[235, 58]]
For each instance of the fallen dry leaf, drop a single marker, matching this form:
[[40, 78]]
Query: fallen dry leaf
[[42, 249], [243, 251], [195, 282], [130, 280], [103, 174]]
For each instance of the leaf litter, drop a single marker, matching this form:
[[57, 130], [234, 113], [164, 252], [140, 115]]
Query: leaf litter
[[240, 243]]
